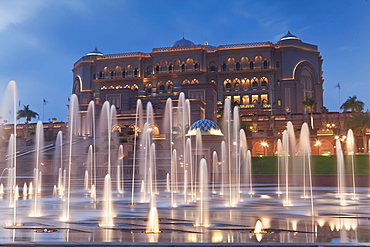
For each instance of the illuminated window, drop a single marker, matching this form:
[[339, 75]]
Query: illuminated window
[[245, 99], [236, 86], [237, 99], [264, 99], [278, 83], [279, 102], [227, 84], [254, 99]]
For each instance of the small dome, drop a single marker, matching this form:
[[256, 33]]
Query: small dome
[[206, 127], [95, 52], [183, 42], [289, 36]]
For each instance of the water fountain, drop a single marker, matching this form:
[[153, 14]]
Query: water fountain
[[178, 195]]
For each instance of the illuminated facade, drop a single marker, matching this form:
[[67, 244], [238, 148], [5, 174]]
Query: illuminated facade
[[264, 78], [268, 80]]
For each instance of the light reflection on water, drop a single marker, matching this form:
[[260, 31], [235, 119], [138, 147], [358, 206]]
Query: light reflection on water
[[228, 224]]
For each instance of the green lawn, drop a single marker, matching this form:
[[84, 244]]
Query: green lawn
[[320, 164]]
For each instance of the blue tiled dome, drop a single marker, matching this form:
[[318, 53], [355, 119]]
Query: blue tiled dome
[[183, 42], [206, 127]]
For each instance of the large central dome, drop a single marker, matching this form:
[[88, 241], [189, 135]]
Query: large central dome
[[183, 42], [206, 127]]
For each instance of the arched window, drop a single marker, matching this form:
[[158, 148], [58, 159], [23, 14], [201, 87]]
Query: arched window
[[123, 73], [254, 84], [251, 65], [224, 67], [255, 102], [231, 64], [170, 68], [157, 69], [236, 83], [245, 84], [236, 86], [227, 84], [169, 87], [264, 83], [149, 70], [189, 64], [212, 67], [186, 81], [258, 62], [182, 67], [237, 66], [176, 65], [112, 74], [244, 63], [160, 87], [148, 89], [264, 102], [194, 81], [265, 64], [135, 72], [135, 88]]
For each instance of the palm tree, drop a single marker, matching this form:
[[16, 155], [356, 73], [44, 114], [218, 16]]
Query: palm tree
[[309, 104], [353, 104], [27, 113], [360, 122]]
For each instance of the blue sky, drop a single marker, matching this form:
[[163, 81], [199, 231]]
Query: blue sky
[[41, 39]]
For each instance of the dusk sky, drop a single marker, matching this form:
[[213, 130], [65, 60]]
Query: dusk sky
[[42, 39]]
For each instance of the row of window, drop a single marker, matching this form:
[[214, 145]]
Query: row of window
[[245, 84], [187, 66]]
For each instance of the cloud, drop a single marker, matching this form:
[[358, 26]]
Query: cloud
[[18, 11]]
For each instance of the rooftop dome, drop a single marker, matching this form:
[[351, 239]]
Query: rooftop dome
[[95, 52], [206, 127], [183, 42], [289, 36]]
